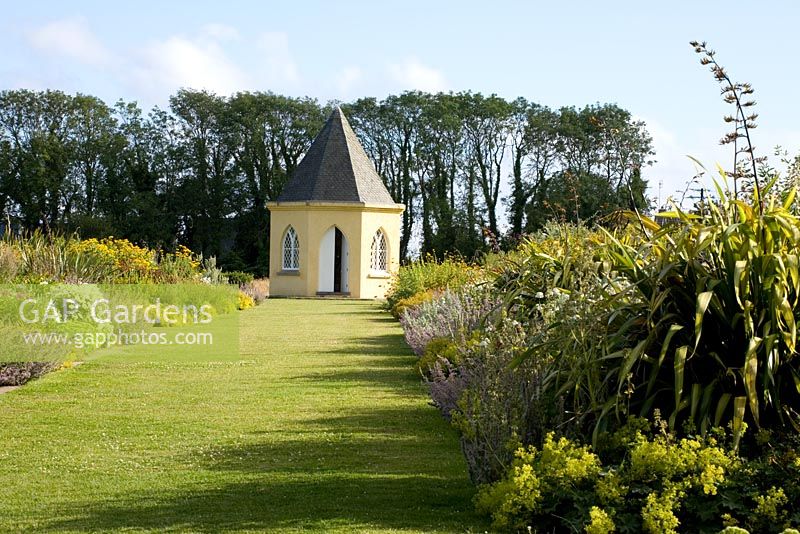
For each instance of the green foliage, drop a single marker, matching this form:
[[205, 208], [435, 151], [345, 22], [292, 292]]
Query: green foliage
[[709, 329], [211, 274], [499, 406], [538, 483], [54, 258], [559, 287], [560, 256], [599, 522], [402, 305], [636, 481], [452, 313], [695, 319], [642, 483], [438, 349], [173, 268], [586, 164], [40, 257], [201, 172], [596, 313], [762, 495], [9, 262], [427, 274], [239, 278]]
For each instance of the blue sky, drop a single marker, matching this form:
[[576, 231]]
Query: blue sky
[[556, 53]]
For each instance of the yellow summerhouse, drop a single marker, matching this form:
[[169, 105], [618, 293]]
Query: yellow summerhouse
[[335, 229]]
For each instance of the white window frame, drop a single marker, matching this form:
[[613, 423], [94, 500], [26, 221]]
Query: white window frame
[[290, 250], [379, 253]]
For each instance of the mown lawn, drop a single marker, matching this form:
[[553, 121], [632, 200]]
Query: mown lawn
[[320, 424]]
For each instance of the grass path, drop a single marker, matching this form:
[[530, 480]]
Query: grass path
[[321, 424]]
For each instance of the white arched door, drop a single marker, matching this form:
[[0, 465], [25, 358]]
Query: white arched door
[[334, 261]]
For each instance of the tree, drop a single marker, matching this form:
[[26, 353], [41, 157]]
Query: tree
[[394, 142], [208, 189], [589, 164], [270, 134], [487, 127], [93, 134], [35, 131], [201, 172]]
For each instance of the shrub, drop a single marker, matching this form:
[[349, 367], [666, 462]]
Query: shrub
[[129, 263], [763, 495], [561, 256], [239, 278], [402, 305], [211, 274], [558, 286], [52, 257], [56, 258], [428, 274], [258, 290], [720, 293], [500, 407], [538, 482], [695, 319], [9, 262], [640, 482], [181, 266], [451, 314], [446, 383]]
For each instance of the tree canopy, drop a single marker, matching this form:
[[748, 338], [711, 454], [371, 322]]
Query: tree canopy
[[474, 171]]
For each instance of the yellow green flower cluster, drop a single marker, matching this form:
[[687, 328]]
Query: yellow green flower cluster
[[646, 491], [131, 262], [560, 465], [125, 262], [183, 253], [245, 301]]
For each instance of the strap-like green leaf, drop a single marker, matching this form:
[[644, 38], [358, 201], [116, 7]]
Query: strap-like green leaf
[[680, 364], [696, 390], [750, 372], [739, 404], [789, 198], [703, 300]]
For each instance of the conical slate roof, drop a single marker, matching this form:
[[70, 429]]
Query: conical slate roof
[[336, 169]]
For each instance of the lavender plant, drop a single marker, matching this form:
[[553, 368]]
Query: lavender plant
[[452, 314], [499, 406]]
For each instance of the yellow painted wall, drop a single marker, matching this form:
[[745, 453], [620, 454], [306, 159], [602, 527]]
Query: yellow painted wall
[[373, 285], [311, 220]]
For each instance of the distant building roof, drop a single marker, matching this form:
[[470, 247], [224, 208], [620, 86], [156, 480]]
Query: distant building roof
[[336, 169]]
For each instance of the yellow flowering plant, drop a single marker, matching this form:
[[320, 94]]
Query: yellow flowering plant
[[646, 482], [130, 262]]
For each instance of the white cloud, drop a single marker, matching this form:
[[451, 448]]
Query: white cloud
[[202, 59], [279, 65], [347, 79], [180, 62], [412, 74], [72, 38], [220, 32]]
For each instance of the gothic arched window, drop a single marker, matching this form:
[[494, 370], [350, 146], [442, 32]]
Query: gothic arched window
[[379, 252], [291, 251]]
